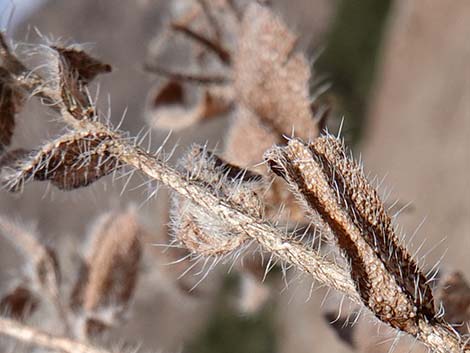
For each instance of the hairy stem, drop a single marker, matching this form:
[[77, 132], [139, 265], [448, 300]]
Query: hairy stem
[[39, 338]]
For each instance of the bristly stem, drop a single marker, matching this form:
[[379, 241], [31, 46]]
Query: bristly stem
[[39, 338]]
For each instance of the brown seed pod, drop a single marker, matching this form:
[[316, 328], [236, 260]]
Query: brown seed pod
[[71, 161], [334, 186], [270, 78], [236, 185]]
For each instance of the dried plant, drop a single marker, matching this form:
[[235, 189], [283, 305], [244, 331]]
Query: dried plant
[[222, 207]]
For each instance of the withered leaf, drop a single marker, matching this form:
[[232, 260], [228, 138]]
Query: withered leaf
[[82, 63], [71, 161], [18, 303]]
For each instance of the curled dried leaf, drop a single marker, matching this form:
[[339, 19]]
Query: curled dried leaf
[[76, 69], [81, 63], [71, 161], [19, 303]]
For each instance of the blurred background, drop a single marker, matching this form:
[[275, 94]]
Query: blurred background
[[400, 78]]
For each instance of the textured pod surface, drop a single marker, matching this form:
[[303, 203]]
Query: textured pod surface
[[333, 185], [71, 161]]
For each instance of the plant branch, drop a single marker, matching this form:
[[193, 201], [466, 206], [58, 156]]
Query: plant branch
[[39, 338]]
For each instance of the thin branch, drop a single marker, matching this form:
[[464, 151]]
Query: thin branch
[[39, 338]]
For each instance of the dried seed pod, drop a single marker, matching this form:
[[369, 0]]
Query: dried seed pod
[[368, 213], [19, 302], [71, 161], [202, 234], [229, 182], [247, 139], [333, 185], [270, 79], [113, 263]]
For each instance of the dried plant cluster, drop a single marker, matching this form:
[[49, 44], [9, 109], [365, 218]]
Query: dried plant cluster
[[277, 185]]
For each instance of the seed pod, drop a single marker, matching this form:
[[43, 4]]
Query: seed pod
[[270, 78], [229, 182], [71, 161], [333, 185]]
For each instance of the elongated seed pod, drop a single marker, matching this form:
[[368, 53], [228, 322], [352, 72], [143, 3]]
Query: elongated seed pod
[[333, 185]]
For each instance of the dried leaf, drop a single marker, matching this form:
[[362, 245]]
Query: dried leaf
[[19, 303], [71, 161], [81, 63]]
